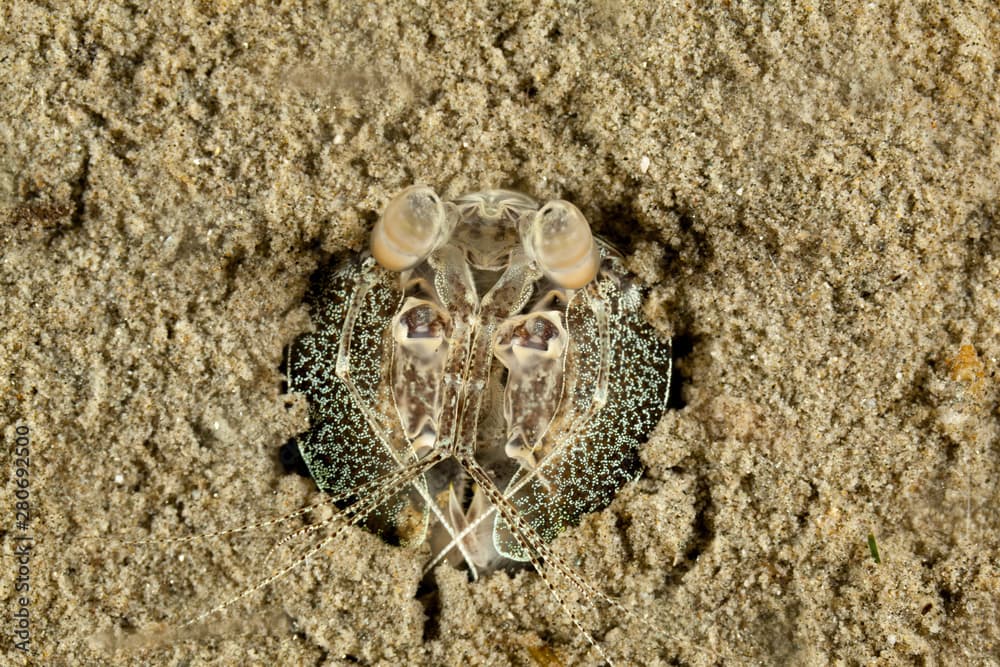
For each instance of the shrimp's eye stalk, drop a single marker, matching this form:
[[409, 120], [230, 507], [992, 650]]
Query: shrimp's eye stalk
[[558, 238], [413, 225]]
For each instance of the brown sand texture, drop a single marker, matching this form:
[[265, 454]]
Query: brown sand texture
[[809, 192]]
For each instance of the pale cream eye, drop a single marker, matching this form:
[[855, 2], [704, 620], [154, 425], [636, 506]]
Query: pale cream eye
[[413, 224], [558, 238]]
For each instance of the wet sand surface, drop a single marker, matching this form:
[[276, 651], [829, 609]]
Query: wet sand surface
[[811, 198]]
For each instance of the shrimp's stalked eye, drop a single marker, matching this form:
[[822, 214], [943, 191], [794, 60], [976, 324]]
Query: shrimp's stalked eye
[[412, 226], [558, 238]]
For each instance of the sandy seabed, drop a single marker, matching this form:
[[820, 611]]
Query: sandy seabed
[[810, 195]]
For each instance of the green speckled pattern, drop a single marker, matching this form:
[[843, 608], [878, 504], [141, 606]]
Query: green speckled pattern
[[594, 453]]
